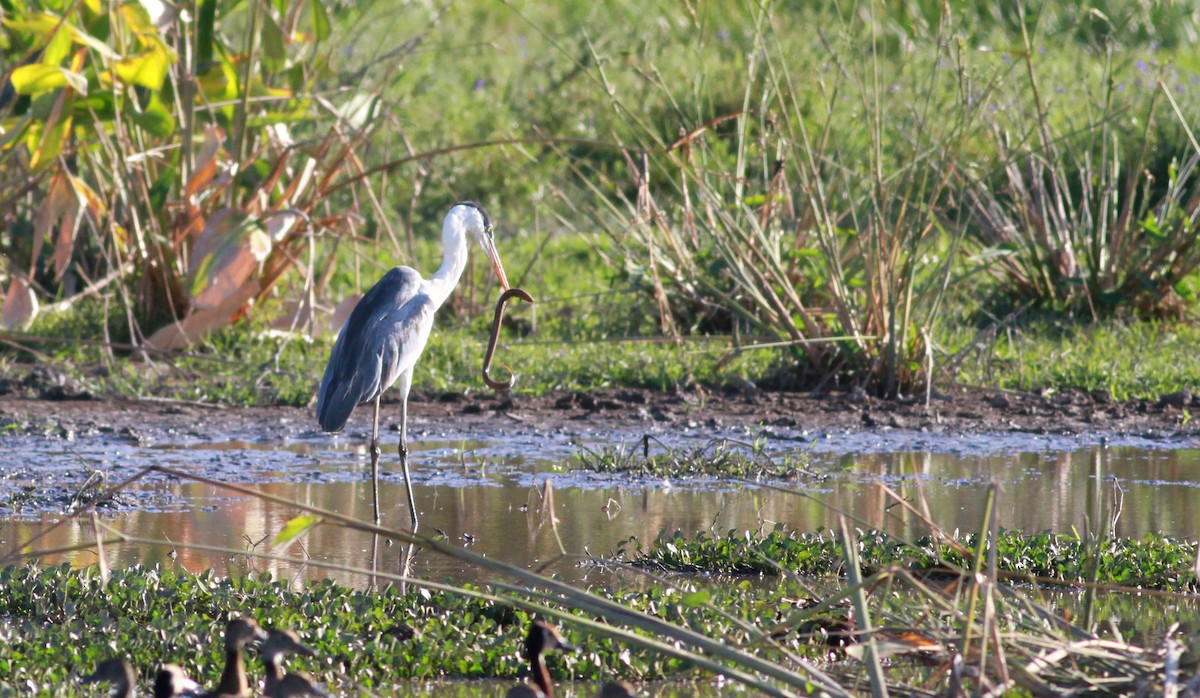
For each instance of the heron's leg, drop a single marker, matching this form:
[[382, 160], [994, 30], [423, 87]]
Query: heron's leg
[[375, 459], [405, 384]]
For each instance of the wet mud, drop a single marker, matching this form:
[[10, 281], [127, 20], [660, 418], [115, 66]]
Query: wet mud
[[802, 415], [59, 453]]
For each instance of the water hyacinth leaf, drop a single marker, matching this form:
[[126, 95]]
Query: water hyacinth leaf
[[295, 528], [20, 305], [226, 254], [697, 598]]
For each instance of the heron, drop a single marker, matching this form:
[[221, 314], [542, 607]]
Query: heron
[[387, 331]]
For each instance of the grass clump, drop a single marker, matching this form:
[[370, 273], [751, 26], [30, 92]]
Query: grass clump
[[1154, 562]]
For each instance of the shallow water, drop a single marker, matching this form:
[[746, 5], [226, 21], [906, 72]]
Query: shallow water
[[485, 492]]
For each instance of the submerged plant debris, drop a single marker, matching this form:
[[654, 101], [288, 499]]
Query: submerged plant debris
[[716, 458]]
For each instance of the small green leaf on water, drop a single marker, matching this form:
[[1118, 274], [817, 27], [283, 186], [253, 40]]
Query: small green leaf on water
[[697, 598], [296, 528]]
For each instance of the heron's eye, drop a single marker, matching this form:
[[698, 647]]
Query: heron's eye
[[488, 230]]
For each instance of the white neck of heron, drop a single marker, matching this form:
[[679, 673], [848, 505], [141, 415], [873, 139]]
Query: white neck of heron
[[454, 261]]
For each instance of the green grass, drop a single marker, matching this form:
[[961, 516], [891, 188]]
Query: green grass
[[1131, 359]]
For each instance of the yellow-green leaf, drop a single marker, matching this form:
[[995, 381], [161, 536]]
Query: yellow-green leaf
[[39, 24], [295, 528], [58, 48], [147, 70], [37, 78], [54, 135], [102, 49]]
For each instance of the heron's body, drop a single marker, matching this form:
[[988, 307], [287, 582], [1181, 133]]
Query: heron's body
[[392, 325], [387, 331]]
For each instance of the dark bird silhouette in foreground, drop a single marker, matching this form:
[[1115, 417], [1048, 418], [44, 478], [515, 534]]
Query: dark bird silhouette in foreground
[[117, 673], [171, 681], [542, 638], [278, 684], [238, 633]]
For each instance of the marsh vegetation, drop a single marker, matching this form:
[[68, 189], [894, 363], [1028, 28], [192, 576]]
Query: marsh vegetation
[[897, 199]]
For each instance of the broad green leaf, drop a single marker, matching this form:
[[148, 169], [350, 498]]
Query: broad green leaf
[[296, 528], [697, 598], [274, 49], [204, 32], [320, 19], [155, 118]]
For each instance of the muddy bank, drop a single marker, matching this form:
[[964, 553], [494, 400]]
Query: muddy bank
[[800, 415]]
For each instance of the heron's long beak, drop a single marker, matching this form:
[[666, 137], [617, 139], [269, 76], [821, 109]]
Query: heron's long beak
[[489, 248]]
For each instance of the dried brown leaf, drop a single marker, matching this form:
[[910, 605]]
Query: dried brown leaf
[[20, 304], [226, 255]]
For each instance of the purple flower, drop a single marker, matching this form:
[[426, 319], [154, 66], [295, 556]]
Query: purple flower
[[480, 83], [722, 36]]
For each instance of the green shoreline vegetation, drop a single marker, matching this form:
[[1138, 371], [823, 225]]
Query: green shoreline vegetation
[[891, 195], [871, 199]]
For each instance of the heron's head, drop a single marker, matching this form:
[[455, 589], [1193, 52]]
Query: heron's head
[[470, 218]]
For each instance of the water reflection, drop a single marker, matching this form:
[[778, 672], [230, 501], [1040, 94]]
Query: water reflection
[[494, 504]]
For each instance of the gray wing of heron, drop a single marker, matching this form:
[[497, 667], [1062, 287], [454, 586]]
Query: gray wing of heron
[[384, 336]]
